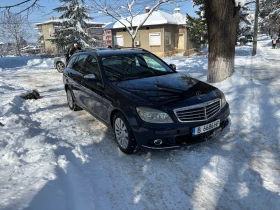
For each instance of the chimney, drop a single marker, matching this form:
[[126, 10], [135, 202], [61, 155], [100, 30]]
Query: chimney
[[147, 9], [176, 10]]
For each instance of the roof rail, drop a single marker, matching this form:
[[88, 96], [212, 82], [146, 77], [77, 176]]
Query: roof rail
[[133, 48], [86, 49]]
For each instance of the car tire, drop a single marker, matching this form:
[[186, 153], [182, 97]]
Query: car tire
[[60, 66], [123, 134], [71, 101]]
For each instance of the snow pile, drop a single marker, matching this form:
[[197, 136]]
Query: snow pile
[[40, 62]]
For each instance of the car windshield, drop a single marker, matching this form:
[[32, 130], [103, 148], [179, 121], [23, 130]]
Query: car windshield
[[134, 66]]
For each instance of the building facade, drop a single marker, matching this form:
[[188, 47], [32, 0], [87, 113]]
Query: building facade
[[163, 34], [107, 38], [46, 33]]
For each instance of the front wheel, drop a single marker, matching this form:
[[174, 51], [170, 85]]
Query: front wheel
[[123, 134], [60, 66]]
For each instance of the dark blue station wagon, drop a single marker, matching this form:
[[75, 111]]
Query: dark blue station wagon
[[144, 100]]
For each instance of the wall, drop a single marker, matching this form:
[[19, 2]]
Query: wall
[[162, 50], [174, 30], [107, 38], [46, 29], [143, 37]]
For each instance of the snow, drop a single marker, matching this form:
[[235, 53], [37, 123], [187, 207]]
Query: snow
[[181, 19], [64, 20], [241, 2], [53, 158]]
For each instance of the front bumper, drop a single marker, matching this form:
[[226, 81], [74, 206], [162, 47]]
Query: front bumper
[[176, 135]]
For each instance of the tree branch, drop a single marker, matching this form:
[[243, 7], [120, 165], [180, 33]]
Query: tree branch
[[8, 7]]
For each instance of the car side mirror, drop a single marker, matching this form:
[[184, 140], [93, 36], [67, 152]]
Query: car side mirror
[[91, 80], [173, 66], [91, 77]]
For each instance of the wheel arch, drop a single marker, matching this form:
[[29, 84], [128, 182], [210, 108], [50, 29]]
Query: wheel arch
[[66, 87], [113, 113]]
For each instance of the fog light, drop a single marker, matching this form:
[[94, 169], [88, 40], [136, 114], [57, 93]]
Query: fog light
[[158, 142]]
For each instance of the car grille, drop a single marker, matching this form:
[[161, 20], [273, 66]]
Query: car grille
[[199, 112]]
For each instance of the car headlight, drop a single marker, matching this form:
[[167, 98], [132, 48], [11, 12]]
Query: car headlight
[[153, 115], [224, 101]]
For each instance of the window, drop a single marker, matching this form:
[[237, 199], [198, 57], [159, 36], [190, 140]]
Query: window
[[78, 65], [155, 39], [91, 67], [154, 63], [167, 38], [133, 66], [70, 63], [118, 40]]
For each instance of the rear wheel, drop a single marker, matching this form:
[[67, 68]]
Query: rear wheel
[[123, 134], [60, 66], [71, 101]]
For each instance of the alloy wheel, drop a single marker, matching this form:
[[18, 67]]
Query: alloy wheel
[[121, 133], [60, 67]]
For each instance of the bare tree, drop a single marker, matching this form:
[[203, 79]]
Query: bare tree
[[124, 12], [27, 5], [14, 29]]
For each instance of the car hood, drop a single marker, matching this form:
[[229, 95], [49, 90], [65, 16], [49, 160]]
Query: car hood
[[170, 91]]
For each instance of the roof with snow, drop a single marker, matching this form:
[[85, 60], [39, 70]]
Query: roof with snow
[[1, 43], [156, 18], [62, 20]]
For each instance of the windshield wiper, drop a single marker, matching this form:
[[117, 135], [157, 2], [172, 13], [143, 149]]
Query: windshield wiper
[[163, 73]]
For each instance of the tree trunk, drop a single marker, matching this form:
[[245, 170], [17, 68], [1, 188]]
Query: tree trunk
[[222, 21], [132, 38], [18, 46], [256, 28]]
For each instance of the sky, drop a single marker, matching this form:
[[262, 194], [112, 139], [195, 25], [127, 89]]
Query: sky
[[45, 11]]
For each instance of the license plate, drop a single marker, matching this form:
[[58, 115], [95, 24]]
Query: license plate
[[205, 128]]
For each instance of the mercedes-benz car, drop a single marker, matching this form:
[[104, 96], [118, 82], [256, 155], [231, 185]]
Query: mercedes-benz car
[[146, 102]]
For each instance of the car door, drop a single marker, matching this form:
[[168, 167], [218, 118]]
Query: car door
[[92, 87], [77, 76], [69, 71]]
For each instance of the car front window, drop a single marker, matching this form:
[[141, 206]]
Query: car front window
[[133, 66], [72, 60]]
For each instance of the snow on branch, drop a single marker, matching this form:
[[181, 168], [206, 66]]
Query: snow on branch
[[122, 11], [241, 3]]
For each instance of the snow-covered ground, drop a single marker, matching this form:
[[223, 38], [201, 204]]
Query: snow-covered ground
[[53, 158]]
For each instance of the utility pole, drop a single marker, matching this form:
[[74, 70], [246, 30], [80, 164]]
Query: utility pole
[[256, 28]]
